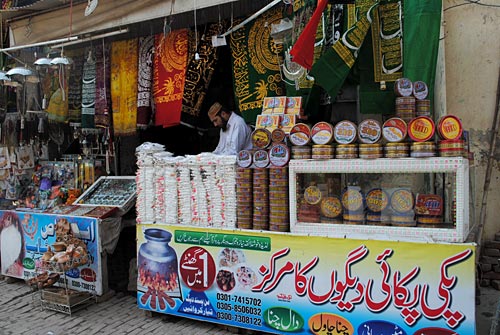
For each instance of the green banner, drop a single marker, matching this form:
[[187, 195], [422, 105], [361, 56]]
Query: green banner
[[229, 240]]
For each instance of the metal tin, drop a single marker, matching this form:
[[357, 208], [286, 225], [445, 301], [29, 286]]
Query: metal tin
[[450, 127], [331, 207], [300, 134], [244, 158], [421, 129], [402, 201], [278, 135], [369, 131], [261, 138], [312, 195], [260, 159], [279, 154], [429, 219], [420, 90], [394, 130], [345, 132], [377, 200], [429, 204], [403, 87], [352, 200], [322, 133]]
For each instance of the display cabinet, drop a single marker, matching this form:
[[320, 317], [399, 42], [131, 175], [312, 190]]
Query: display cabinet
[[408, 199]]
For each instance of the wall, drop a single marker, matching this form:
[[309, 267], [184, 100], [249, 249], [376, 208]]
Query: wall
[[472, 58]]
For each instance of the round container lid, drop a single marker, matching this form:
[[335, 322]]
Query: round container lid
[[278, 135], [261, 138], [300, 134], [345, 132], [421, 129], [402, 201], [369, 131], [244, 158], [312, 195], [403, 87], [394, 130], [261, 158], [450, 127], [322, 133], [352, 200], [279, 154], [377, 200], [420, 90], [331, 207]]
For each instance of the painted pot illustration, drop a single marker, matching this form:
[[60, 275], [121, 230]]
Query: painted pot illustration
[[157, 269]]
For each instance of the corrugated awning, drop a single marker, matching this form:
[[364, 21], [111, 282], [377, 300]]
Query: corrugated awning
[[56, 23]]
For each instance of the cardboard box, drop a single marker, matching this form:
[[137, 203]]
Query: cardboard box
[[269, 122], [274, 105]]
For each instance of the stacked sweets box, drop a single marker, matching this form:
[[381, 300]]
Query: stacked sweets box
[[279, 112]]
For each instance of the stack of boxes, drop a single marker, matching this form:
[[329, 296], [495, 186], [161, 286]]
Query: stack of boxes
[[279, 112]]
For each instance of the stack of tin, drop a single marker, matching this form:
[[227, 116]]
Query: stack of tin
[[397, 150], [301, 152], [278, 200], [423, 149], [377, 203], [353, 206], [402, 202], [450, 132], [371, 151], [347, 151], [261, 199], [429, 209], [405, 108], [322, 151], [244, 199], [423, 107]]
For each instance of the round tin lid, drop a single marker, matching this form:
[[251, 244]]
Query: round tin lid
[[279, 154], [369, 131], [450, 127], [322, 133], [345, 132], [261, 138], [244, 158], [261, 158], [421, 129], [394, 130], [300, 134]]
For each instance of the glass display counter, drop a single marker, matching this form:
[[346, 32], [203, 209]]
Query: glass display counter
[[389, 199]]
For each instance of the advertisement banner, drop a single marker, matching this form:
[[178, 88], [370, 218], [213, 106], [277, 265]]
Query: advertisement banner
[[283, 283], [25, 237]]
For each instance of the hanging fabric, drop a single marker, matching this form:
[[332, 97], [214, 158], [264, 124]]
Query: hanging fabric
[[332, 68], [303, 49], [144, 82], [57, 108], [103, 85], [170, 62], [75, 85], [255, 60], [421, 26], [124, 86], [198, 75], [88, 89]]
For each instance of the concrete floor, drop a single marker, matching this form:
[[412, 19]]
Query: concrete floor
[[486, 311]]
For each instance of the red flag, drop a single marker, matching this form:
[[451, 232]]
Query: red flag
[[303, 50]]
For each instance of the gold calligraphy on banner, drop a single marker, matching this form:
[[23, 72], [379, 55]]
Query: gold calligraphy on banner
[[387, 36]]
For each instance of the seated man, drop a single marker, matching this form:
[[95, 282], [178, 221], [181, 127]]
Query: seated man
[[235, 134]]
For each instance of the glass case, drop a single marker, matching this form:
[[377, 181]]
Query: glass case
[[110, 191], [391, 199]]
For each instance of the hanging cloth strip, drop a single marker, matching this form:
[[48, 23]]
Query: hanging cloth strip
[[255, 59], [198, 75], [144, 82], [124, 59], [421, 26], [57, 108], [303, 50], [102, 85], [75, 85], [88, 90], [387, 37], [332, 68], [171, 54]]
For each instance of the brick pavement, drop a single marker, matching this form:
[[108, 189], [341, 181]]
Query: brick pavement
[[19, 314], [118, 315]]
